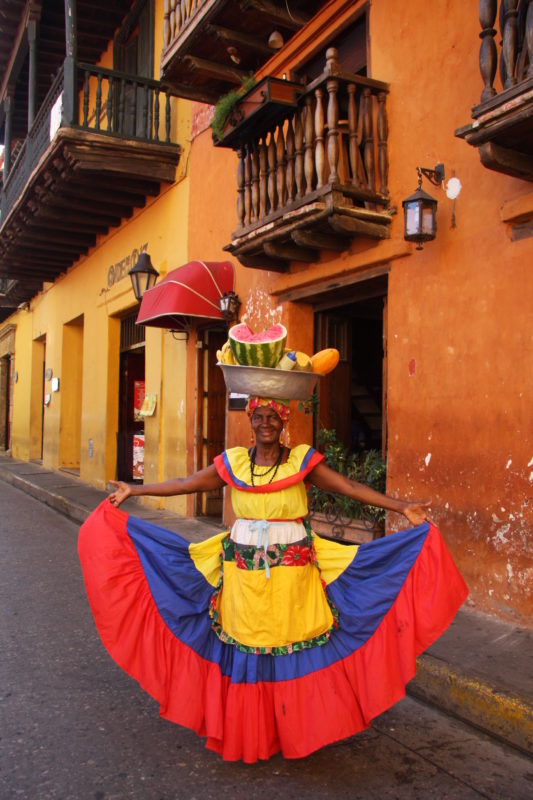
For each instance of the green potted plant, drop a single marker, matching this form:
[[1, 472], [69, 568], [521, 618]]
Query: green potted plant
[[339, 517]]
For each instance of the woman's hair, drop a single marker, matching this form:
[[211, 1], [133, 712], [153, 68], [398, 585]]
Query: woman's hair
[[281, 407]]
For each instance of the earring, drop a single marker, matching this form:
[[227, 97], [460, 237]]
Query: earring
[[252, 438], [287, 437], [282, 437]]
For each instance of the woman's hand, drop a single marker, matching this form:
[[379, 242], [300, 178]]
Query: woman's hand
[[416, 513], [121, 493]]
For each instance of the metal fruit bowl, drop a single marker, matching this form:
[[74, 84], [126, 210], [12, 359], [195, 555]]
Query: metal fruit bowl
[[268, 382]]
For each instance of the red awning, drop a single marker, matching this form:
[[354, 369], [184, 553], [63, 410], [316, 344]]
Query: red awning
[[188, 291]]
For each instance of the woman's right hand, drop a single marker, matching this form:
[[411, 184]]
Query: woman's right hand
[[121, 493]]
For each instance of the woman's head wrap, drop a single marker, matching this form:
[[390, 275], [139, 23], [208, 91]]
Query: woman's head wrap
[[281, 407]]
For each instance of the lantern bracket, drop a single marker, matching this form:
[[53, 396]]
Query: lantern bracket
[[435, 176]]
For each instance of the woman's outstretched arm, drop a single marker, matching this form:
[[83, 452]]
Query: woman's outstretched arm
[[202, 481], [330, 481]]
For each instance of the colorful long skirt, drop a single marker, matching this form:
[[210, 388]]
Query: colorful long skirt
[[156, 601]]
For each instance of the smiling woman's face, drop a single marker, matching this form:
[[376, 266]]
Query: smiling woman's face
[[266, 425]]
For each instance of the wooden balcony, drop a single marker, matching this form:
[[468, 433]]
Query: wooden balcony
[[318, 177], [502, 129], [210, 46], [100, 144]]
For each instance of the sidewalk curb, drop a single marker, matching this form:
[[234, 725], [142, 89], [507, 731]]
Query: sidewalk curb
[[506, 716], [57, 502]]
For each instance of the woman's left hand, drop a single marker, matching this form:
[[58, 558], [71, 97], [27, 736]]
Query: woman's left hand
[[416, 513]]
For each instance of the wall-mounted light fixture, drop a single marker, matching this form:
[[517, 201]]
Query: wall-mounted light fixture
[[229, 305], [420, 208], [143, 276], [275, 40]]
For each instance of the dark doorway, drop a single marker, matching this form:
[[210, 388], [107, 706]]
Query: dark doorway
[[5, 402], [353, 396], [130, 437]]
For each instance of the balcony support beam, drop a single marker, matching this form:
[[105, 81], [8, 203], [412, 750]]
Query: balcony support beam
[[277, 14], [507, 161], [240, 39], [214, 70]]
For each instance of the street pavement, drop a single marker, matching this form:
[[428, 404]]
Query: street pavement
[[75, 727]]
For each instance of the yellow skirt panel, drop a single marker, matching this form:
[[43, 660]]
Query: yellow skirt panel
[[288, 607]]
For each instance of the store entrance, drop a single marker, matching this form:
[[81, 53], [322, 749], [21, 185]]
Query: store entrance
[[130, 436], [353, 396]]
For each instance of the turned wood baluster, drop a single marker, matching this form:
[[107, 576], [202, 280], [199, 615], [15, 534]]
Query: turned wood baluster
[[263, 178], [247, 186], [528, 36], [510, 37], [271, 155], [281, 167], [383, 135], [332, 85], [368, 139], [166, 22], [121, 106], [333, 129], [353, 148], [134, 110], [109, 111], [98, 102], [299, 153], [156, 116], [309, 155], [255, 181], [320, 159], [487, 52], [240, 187], [86, 101], [290, 162], [167, 119]]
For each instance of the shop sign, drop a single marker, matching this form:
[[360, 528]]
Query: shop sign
[[118, 271]]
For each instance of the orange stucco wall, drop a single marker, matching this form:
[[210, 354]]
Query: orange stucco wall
[[459, 340]]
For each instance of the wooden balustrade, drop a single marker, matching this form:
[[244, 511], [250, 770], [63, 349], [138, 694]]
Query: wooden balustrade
[[516, 48], [124, 105], [176, 16], [335, 141]]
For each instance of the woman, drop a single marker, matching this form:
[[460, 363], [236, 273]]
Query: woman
[[268, 638]]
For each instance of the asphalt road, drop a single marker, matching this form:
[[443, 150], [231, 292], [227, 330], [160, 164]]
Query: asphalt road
[[74, 727]]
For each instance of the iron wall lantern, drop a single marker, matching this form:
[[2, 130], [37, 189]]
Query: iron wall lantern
[[143, 276], [229, 305], [420, 209]]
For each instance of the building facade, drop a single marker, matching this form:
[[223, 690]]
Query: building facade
[[301, 190]]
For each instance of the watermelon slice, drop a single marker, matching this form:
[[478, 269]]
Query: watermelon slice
[[263, 349]]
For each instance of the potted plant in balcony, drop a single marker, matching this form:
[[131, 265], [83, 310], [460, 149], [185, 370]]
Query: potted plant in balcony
[[253, 110], [339, 517]]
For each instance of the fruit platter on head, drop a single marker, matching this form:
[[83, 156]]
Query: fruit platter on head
[[263, 364]]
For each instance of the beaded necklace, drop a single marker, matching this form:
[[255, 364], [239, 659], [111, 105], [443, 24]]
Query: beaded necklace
[[274, 468]]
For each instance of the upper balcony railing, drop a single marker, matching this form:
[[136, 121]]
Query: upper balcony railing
[[177, 15], [111, 103], [514, 53], [333, 143]]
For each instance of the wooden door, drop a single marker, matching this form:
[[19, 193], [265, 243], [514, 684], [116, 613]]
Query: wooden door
[[333, 330], [216, 416]]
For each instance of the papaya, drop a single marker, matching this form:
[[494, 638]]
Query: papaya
[[325, 360]]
